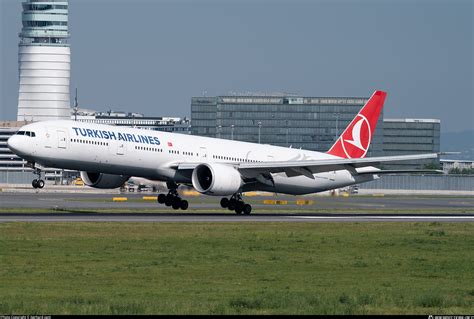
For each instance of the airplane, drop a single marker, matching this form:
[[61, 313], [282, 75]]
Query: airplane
[[107, 156]]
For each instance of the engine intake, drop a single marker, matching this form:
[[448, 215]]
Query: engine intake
[[216, 179], [103, 181]]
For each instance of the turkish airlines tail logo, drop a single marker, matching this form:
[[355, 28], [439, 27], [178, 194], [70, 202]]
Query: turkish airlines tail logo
[[354, 142]]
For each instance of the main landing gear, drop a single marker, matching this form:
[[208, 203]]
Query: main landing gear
[[236, 204], [37, 183], [172, 199]]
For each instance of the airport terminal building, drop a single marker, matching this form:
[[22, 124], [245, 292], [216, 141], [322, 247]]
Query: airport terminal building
[[411, 136], [137, 120]]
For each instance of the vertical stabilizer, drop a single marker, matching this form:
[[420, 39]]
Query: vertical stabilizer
[[354, 142]]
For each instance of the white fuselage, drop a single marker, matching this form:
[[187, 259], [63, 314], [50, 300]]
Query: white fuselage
[[150, 154]]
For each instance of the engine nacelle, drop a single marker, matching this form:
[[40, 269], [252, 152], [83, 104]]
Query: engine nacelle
[[216, 179], [101, 180]]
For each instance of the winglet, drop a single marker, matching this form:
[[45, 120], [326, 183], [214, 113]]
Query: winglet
[[354, 142]]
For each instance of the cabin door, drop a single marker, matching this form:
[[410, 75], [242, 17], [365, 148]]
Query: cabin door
[[121, 148], [62, 141], [203, 153]]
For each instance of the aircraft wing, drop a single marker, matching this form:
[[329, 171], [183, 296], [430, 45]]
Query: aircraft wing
[[308, 168]]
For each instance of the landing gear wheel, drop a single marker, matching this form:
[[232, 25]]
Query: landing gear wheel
[[161, 198], [172, 198], [176, 204], [224, 202], [184, 204], [232, 204], [239, 207], [37, 182], [169, 200], [247, 209]]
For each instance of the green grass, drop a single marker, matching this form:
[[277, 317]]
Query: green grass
[[236, 268]]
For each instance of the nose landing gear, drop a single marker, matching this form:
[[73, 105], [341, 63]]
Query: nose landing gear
[[236, 204], [37, 183], [172, 198]]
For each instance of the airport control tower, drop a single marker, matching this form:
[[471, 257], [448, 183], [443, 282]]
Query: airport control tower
[[44, 61]]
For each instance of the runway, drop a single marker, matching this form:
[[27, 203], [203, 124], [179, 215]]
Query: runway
[[229, 217], [80, 207], [81, 201]]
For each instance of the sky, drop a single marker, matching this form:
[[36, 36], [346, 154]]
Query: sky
[[151, 56]]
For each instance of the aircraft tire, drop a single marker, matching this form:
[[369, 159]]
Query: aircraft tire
[[161, 198], [169, 200], [239, 207], [247, 209], [176, 202], [184, 204], [40, 183], [232, 204], [224, 202], [34, 183]]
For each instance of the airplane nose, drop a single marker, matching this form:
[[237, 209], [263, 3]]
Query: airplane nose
[[13, 144]]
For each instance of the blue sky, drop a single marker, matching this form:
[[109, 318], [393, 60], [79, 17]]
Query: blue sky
[[153, 56]]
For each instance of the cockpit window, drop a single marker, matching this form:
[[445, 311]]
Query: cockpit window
[[27, 133]]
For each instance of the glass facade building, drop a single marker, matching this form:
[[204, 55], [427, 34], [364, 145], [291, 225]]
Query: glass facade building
[[411, 136], [311, 123]]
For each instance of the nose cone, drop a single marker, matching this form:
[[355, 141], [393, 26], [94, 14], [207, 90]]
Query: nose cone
[[14, 144]]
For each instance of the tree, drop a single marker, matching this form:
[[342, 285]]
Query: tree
[[464, 171], [432, 166]]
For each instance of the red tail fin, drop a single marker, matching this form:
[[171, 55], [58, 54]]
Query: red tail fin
[[354, 142]]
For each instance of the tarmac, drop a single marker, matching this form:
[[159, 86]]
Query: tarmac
[[75, 205]]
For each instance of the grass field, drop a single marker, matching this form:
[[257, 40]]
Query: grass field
[[236, 268]]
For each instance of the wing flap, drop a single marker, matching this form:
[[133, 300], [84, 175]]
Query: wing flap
[[400, 171]]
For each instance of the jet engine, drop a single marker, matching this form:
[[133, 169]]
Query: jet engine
[[216, 179], [101, 180]]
